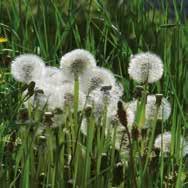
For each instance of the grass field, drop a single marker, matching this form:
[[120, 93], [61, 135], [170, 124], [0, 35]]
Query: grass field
[[112, 31]]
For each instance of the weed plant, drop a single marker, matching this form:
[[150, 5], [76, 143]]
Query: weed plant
[[35, 153]]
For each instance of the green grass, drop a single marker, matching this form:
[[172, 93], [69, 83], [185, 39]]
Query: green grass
[[112, 32]]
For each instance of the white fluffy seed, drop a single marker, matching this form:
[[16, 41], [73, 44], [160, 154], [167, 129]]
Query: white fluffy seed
[[145, 68], [27, 67]]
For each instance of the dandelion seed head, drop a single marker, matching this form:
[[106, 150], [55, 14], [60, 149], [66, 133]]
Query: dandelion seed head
[[100, 100], [77, 62], [60, 97], [145, 68], [118, 89], [40, 99], [53, 95], [164, 110], [95, 99], [66, 95], [27, 67], [53, 76], [96, 78], [163, 142]]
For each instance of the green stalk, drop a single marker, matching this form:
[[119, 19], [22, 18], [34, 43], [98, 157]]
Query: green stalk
[[151, 140], [90, 135]]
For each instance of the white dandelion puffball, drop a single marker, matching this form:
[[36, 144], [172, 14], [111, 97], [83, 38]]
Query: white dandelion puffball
[[47, 97], [38, 100], [99, 100], [163, 142], [109, 95], [96, 78], [118, 89], [66, 96], [53, 97], [164, 110], [27, 67], [95, 100], [53, 76], [76, 62], [145, 68]]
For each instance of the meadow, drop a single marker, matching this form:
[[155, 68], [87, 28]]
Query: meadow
[[36, 151]]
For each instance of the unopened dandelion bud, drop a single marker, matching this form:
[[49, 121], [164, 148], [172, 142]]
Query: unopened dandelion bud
[[118, 173], [88, 111], [23, 115], [122, 114], [48, 114], [42, 138], [159, 98], [70, 183], [39, 91], [136, 133], [138, 91], [31, 88], [42, 176], [106, 88], [104, 161]]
